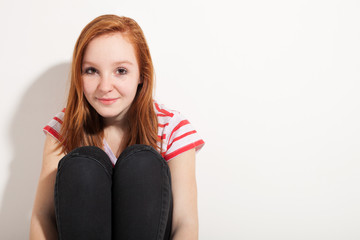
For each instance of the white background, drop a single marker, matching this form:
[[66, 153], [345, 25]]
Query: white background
[[272, 87]]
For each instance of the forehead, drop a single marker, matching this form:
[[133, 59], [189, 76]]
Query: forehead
[[110, 47]]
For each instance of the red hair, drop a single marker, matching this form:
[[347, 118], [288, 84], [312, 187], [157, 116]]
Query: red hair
[[82, 125]]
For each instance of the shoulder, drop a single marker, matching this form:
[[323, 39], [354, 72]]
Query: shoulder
[[54, 126], [177, 135], [168, 117], [164, 113]]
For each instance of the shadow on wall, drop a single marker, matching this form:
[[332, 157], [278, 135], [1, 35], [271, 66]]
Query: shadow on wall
[[44, 98]]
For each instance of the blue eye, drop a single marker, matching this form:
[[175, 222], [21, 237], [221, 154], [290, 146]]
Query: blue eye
[[121, 71], [90, 71]]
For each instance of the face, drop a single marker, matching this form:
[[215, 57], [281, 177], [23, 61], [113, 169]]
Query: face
[[110, 75]]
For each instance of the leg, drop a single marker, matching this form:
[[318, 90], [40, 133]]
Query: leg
[[142, 198], [83, 195]]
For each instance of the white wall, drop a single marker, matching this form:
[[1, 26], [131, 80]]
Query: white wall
[[272, 86]]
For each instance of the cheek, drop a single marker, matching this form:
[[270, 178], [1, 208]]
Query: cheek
[[88, 87], [88, 91], [128, 89], [134, 89]]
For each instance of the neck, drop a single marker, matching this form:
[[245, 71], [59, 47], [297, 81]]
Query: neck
[[115, 123], [114, 132]]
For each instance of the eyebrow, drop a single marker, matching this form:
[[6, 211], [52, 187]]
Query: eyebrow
[[115, 63]]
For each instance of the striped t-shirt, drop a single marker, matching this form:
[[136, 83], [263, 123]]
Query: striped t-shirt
[[176, 134]]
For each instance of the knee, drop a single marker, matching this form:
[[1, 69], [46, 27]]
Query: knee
[[141, 152], [86, 163], [141, 158], [141, 165]]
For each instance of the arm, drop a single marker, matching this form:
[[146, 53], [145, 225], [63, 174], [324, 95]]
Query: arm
[[43, 225], [185, 214]]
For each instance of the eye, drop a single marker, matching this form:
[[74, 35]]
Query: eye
[[121, 71], [90, 71]]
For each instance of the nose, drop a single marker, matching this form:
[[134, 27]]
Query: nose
[[105, 84]]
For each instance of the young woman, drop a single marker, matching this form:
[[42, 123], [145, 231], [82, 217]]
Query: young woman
[[116, 164]]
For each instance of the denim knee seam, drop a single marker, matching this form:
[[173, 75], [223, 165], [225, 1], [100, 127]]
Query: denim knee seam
[[60, 166], [165, 206], [57, 210], [143, 148]]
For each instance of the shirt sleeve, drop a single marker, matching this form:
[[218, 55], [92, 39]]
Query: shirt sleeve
[[181, 136], [54, 126]]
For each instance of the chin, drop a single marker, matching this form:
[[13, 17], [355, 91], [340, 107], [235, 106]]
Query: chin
[[112, 111], [107, 113]]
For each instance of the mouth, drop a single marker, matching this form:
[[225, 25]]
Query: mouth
[[107, 101]]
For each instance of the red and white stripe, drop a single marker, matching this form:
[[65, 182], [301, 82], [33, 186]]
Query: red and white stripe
[[176, 134], [54, 126]]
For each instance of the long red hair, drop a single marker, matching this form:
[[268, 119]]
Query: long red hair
[[82, 125]]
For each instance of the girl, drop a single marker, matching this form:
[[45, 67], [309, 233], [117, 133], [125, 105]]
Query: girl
[[116, 164]]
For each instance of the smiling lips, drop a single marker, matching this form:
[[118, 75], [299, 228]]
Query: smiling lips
[[107, 101]]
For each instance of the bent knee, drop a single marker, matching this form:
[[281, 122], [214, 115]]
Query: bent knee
[[86, 161]]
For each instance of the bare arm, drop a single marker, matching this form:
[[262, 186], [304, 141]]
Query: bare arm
[[185, 213], [43, 225]]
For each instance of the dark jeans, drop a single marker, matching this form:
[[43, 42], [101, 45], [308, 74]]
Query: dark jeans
[[94, 200]]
